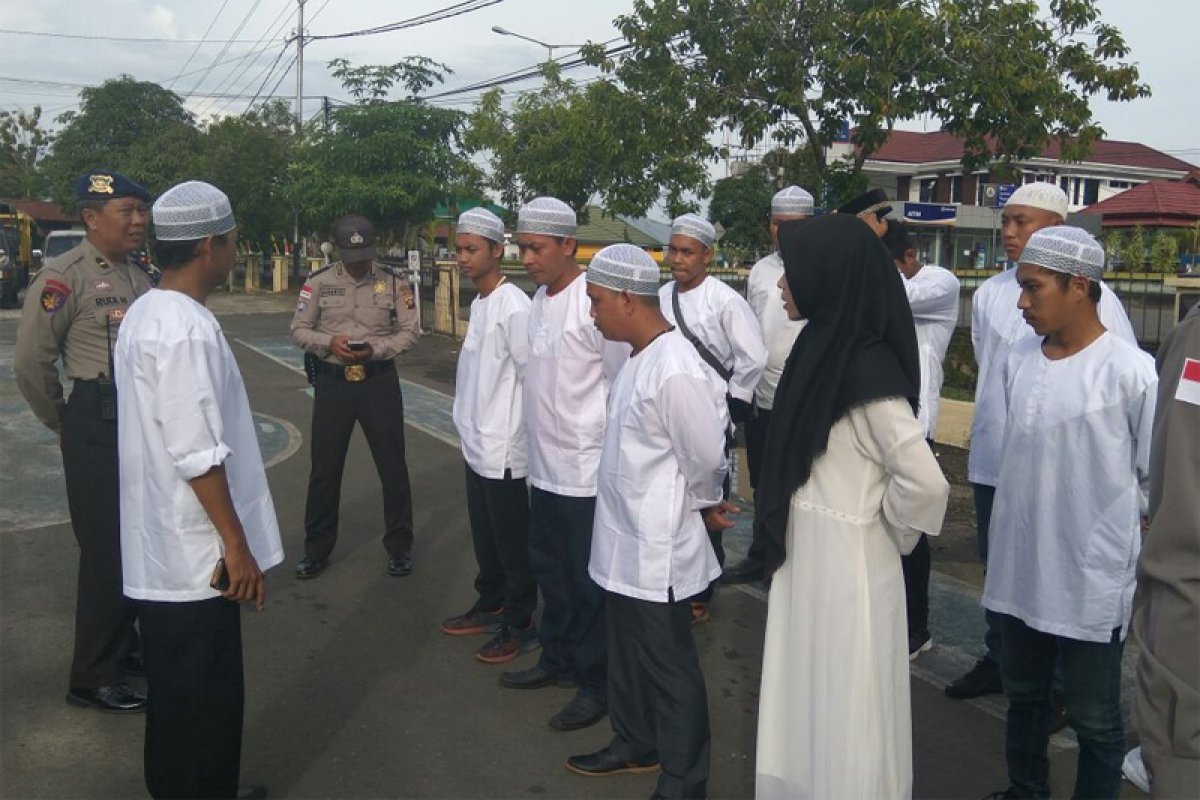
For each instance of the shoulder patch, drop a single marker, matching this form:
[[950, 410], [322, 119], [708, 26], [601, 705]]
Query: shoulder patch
[[54, 296], [1188, 390]]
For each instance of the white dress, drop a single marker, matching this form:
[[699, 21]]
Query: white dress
[[834, 716]]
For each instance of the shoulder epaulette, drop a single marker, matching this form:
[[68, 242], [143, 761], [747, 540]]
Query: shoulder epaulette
[[390, 270], [152, 272], [317, 272], [64, 262]]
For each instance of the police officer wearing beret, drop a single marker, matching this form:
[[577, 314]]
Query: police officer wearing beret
[[352, 319], [73, 310]]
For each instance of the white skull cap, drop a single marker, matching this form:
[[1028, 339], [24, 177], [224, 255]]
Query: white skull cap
[[190, 211]]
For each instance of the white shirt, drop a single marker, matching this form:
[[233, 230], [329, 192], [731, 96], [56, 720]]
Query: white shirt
[[664, 461], [996, 326], [1074, 476], [779, 331], [487, 390], [183, 411], [933, 296], [720, 318], [566, 387]]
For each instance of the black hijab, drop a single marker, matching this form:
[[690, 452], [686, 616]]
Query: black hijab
[[860, 344]]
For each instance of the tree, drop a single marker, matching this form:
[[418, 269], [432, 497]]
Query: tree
[[393, 161], [247, 157], [580, 143], [1164, 253], [1002, 75], [1133, 250], [134, 127], [24, 142], [742, 205]]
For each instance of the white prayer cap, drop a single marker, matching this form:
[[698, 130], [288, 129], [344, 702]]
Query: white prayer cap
[[1065, 249], [792, 201], [481, 222], [547, 216], [695, 226], [1041, 195], [624, 268], [190, 211]]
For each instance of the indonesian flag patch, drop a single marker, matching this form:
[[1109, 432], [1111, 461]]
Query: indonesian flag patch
[[1188, 389]]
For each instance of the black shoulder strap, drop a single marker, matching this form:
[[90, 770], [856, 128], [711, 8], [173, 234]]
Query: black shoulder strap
[[701, 348]]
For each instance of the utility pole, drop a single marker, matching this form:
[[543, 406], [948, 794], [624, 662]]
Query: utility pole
[[299, 124]]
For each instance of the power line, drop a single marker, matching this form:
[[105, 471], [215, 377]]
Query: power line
[[131, 39], [456, 10], [195, 50], [270, 72], [274, 28], [225, 49]]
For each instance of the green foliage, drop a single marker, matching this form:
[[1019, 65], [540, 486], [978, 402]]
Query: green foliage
[[1132, 250], [742, 206], [24, 142], [247, 157], [1164, 253], [788, 73], [134, 127], [585, 142], [392, 161]]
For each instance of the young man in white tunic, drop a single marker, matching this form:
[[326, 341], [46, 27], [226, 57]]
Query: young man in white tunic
[[1066, 527], [849, 485], [660, 486], [721, 326], [996, 327], [779, 334], [193, 494], [933, 297], [487, 415], [567, 378]]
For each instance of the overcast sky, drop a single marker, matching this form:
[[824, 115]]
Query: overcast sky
[[1160, 32]]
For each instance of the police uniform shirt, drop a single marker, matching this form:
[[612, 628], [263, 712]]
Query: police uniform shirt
[[720, 318], [663, 462], [184, 411], [377, 308], [487, 387], [73, 309]]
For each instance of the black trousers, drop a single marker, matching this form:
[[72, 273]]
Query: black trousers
[[193, 655], [656, 694], [104, 617], [376, 404], [755, 429], [572, 629], [917, 566], [499, 512]]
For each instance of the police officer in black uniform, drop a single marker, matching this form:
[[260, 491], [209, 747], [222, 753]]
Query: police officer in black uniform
[[73, 310], [353, 318]]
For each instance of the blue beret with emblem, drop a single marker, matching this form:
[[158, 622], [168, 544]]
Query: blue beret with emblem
[[107, 185]]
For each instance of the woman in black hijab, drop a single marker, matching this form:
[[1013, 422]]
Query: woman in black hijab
[[848, 484]]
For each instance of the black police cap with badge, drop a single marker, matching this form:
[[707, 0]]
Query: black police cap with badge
[[107, 185]]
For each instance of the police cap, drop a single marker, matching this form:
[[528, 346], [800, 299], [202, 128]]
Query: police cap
[[106, 185]]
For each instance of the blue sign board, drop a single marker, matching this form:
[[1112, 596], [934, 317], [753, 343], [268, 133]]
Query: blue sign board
[[930, 213], [1006, 191]]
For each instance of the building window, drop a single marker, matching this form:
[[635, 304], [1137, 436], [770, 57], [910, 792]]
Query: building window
[[928, 189], [1120, 184], [956, 189], [1076, 186], [1091, 191], [1064, 183]]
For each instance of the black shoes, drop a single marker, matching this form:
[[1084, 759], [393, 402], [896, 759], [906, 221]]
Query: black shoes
[[310, 567], [745, 571], [533, 678], [252, 793], [983, 679], [582, 712], [116, 699], [918, 643], [603, 763], [400, 566]]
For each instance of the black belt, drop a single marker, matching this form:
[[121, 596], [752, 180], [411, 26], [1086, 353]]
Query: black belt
[[356, 373]]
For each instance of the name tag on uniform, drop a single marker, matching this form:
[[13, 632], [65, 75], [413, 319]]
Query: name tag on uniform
[[333, 291], [1188, 389], [110, 300]]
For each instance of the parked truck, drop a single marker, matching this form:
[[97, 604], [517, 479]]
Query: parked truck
[[18, 259]]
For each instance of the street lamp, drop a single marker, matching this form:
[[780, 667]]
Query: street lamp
[[550, 48]]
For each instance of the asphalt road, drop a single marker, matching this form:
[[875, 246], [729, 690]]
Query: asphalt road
[[352, 691]]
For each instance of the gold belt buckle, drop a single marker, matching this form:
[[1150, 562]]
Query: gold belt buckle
[[355, 373]]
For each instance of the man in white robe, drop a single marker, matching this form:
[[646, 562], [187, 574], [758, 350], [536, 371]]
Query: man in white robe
[[779, 334], [487, 416], [197, 523], [1066, 529], [567, 378], [996, 327], [660, 485], [721, 326]]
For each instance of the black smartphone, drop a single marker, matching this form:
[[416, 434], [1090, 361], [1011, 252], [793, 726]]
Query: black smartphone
[[356, 346], [220, 576]]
